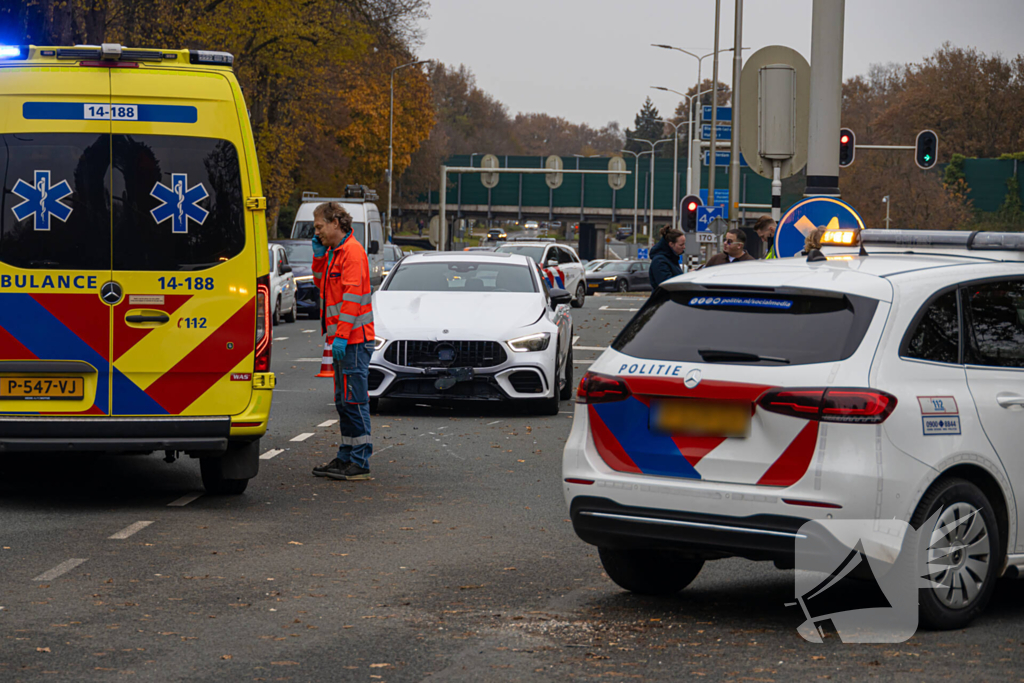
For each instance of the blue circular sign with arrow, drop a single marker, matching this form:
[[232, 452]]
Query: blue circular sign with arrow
[[814, 212]]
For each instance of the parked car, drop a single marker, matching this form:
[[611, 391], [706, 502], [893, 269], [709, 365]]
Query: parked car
[[619, 276], [392, 254], [283, 301], [465, 327], [300, 258]]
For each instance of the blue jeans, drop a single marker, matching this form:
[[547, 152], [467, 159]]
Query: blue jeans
[[351, 399]]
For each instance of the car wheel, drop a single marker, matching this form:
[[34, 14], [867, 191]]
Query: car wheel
[[566, 392], [622, 286], [292, 313], [581, 295], [965, 553], [229, 474], [649, 572], [277, 311]]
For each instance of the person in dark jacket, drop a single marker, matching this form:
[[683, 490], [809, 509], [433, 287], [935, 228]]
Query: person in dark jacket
[[732, 250], [665, 256]]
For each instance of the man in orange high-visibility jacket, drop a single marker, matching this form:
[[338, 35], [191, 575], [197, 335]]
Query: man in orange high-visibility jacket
[[342, 273]]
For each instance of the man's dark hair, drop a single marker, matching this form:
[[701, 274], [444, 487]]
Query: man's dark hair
[[738, 237]]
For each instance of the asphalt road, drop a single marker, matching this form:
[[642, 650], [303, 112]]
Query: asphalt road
[[457, 562]]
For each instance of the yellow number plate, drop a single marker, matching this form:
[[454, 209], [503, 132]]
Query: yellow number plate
[[701, 418], [42, 388]]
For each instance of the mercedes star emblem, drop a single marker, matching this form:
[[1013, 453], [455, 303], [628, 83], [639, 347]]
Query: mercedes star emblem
[[111, 293], [692, 379]]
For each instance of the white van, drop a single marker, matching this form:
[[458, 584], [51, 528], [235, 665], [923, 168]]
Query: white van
[[358, 201]]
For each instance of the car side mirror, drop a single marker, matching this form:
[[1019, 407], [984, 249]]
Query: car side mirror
[[560, 296], [552, 263], [285, 268], [374, 247]]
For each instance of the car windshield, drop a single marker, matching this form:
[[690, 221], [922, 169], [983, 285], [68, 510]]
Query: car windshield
[[700, 326], [533, 252], [461, 276], [299, 252], [594, 265], [614, 267]]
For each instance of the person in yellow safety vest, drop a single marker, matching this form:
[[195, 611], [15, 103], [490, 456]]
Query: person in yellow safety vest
[[765, 228]]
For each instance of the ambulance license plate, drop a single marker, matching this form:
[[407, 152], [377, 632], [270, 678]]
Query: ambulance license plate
[[42, 388], [692, 417]]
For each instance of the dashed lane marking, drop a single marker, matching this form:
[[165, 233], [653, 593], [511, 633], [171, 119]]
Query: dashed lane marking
[[128, 531], [62, 568], [271, 453], [280, 338], [582, 362], [589, 348], [185, 500], [302, 437], [308, 331], [328, 423], [605, 308], [575, 339]]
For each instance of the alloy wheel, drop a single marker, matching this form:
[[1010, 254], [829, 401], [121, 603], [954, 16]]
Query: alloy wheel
[[959, 554]]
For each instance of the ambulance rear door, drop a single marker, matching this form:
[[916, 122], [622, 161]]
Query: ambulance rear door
[[182, 246], [55, 263]]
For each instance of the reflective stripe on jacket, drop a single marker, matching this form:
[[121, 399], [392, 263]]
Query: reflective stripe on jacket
[[343, 277]]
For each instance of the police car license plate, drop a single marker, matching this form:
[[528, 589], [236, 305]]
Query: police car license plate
[[42, 388], [700, 418]]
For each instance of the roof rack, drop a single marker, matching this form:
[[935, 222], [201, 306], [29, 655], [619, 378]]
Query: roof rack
[[353, 193]]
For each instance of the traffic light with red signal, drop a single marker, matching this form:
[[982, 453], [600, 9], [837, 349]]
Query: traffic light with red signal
[[689, 206], [926, 149], [847, 147]]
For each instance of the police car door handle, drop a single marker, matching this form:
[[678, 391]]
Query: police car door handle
[[160, 318], [1010, 400]]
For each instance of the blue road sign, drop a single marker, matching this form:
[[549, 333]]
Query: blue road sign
[[642, 253], [724, 132], [721, 196], [706, 214], [722, 159], [805, 216], [724, 113]]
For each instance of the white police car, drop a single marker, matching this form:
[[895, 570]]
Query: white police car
[[741, 402]]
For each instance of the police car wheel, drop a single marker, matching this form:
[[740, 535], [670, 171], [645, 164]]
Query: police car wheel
[[622, 286], [565, 393], [581, 295], [649, 572], [964, 556], [293, 313]]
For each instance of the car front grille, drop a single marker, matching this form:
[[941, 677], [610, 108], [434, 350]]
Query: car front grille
[[445, 354]]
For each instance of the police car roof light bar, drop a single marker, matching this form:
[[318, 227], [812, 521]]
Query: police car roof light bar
[[972, 241]]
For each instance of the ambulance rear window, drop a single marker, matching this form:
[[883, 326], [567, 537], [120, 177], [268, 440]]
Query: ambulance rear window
[[55, 210], [741, 327], [177, 202]]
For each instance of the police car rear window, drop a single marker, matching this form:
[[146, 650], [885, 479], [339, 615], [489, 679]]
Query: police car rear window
[[177, 202], [737, 327], [55, 210]]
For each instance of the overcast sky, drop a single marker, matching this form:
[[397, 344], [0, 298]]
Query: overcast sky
[[590, 61]]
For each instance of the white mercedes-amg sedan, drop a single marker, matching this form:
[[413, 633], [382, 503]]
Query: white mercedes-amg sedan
[[471, 326]]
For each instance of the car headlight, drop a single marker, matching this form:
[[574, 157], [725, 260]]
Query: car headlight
[[304, 278], [378, 343], [531, 342], [610, 278]]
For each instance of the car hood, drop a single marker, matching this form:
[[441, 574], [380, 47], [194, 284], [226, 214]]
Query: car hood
[[465, 315]]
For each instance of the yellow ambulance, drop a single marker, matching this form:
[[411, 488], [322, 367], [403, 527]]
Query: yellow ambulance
[[134, 302]]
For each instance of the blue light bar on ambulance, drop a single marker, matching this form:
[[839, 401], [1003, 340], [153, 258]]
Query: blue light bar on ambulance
[[13, 52], [210, 57]]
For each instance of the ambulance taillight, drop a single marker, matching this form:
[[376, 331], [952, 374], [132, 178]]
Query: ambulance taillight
[[263, 324]]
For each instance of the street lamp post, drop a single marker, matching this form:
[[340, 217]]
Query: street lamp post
[[675, 170], [391, 136], [636, 185], [650, 224], [885, 200]]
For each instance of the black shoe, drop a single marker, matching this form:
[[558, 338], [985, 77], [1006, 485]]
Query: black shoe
[[334, 467], [352, 472]]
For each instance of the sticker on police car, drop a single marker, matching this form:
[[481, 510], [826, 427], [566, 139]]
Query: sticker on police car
[[938, 405], [941, 426], [745, 301]]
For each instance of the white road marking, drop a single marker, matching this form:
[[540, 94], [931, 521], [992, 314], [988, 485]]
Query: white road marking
[[582, 362], [307, 360], [271, 453], [302, 437], [589, 348], [308, 331], [575, 339], [61, 568], [280, 338], [328, 423], [493, 423], [128, 531], [185, 500], [605, 308]]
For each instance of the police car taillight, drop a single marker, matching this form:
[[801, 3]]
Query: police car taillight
[[262, 363], [595, 388], [832, 404]]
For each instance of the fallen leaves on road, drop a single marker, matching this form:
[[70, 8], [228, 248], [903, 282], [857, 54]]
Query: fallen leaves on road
[[378, 666], [42, 649], [294, 543]]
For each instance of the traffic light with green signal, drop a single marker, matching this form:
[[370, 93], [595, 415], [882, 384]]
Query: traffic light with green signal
[[847, 147], [926, 149], [689, 206]]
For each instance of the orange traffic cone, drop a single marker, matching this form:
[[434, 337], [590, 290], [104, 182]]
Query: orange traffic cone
[[327, 364]]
